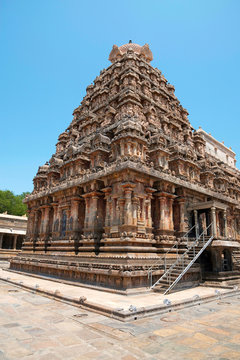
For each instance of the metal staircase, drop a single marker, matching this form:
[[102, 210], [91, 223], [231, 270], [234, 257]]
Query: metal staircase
[[164, 260], [174, 273]]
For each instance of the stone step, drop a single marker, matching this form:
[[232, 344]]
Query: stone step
[[175, 272]]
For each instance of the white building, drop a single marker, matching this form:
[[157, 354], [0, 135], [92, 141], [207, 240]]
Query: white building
[[218, 149]]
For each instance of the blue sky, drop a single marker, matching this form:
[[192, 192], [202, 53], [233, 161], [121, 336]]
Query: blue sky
[[51, 50]]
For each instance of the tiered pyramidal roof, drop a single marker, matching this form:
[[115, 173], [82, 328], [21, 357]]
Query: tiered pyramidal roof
[[130, 117]]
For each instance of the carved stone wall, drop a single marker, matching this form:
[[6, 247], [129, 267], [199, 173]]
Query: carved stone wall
[[128, 179]]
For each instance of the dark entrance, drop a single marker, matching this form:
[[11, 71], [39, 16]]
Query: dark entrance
[[7, 242], [226, 260], [205, 261]]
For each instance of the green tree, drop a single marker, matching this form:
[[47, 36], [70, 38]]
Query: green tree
[[12, 204]]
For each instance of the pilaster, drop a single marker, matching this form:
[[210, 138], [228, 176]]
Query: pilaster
[[213, 218], [181, 202], [165, 224], [225, 229], [1, 240], [15, 242], [196, 223]]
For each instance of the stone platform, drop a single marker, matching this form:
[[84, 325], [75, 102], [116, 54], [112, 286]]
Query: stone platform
[[114, 305], [7, 254], [123, 273]]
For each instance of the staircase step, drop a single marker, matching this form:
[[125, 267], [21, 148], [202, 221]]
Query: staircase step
[[181, 268], [175, 272], [164, 282], [176, 268]]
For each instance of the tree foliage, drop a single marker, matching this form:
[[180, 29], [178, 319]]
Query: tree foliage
[[12, 204]]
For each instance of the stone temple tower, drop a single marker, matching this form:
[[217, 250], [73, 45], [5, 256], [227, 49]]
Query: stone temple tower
[[128, 180]]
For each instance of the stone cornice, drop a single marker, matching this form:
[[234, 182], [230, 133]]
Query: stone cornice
[[135, 167]]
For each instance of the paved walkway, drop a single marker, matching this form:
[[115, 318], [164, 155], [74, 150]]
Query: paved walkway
[[112, 301], [33, 327]]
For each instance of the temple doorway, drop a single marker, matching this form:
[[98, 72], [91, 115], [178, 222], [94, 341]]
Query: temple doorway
[[7, 242], [19, 242], [226, 260], [205, 261]]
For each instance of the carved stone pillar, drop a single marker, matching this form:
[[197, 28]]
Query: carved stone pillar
[[94, 210], [107, 197], [196, 223], [92, 217], [86, 218], [225, 229], [135, 210], [170, 209], [36, 221], [149, 192], [121, 210], [144, 211], [45, 229], [55, 223], [166, 224], [117, 213], [147, 206], [30, 226], [74, 216], [74, 227], [15, 242], [128, 208], [181, 203], [162, 204], [213, 218], [42, 211]]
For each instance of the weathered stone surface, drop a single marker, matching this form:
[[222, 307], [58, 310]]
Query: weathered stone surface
[[210, 330], [128, 179]]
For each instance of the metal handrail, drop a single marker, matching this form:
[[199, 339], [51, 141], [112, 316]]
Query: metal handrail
[[184, 254], [190, 264], [163, 257], [189, 231]]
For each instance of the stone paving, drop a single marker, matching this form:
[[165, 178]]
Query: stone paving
[[114, 304], [40, 328]]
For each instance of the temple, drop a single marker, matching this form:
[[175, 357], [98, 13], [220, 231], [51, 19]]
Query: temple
[[12, 234], [133, 196]]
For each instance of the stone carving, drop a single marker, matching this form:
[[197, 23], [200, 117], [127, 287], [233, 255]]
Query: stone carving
[[126, 177]]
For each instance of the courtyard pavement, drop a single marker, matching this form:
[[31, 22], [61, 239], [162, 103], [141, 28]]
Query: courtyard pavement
[[112, 304], [40, 328]]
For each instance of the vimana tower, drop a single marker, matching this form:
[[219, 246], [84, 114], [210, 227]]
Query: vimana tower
[[132, 188]]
